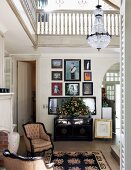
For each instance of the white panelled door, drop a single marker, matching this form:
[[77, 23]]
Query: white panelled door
[[24, 94]]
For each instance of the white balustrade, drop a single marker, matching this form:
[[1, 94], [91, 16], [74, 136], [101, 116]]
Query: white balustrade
[[29, 7], [74, 22]]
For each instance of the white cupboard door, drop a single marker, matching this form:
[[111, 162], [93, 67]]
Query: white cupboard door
[[24, 94]]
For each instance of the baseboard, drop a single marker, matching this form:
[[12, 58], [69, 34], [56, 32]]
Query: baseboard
[[115, 151]]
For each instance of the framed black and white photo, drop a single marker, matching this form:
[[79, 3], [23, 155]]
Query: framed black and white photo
[[72, 70], [72, 89], [87, 64], [87, 88], [56, 63], [56, 75]]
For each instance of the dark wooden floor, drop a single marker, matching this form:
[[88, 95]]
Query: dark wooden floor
[[103, 145]]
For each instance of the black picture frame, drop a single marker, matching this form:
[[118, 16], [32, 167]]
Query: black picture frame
[[87, 76], [72, 89], [72, 70], [56, 63], [87, 64], [87, 88], [55, 104], [56, 75]]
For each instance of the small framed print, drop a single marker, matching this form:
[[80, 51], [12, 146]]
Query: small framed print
[[56, 89], [72, 70], [72, 89], [56, 63], [87, 88], [87, 64], [56, 75], [103, 128], [87, 76]]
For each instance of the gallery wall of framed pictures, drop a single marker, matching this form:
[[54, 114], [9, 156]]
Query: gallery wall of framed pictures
[[67, 74]]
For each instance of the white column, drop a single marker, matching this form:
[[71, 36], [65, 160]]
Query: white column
[[2, 83], [125, 85]]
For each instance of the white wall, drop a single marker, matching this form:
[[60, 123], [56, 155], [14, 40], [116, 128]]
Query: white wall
[[100, 63]]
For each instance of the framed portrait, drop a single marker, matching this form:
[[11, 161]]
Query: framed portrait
[[56, 75], [72, 70], [103, 128], [56, 63], [87, 88], [72, 89], [87, 64], [56, 89], [87, 76]]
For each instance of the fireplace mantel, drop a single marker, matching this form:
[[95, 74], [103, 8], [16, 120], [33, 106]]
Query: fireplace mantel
[[6, 117]]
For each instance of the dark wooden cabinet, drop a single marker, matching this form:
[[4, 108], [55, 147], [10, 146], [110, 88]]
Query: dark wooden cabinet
[[73, 129]]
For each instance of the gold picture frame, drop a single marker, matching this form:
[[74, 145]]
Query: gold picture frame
[[103, 128]]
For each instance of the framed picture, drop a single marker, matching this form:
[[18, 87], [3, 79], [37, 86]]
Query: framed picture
[[56, 89], [87, 76], [56, 75], [56, 63], [72, 70], [72, 89], [103, 128], [87, 64], [87, 88]]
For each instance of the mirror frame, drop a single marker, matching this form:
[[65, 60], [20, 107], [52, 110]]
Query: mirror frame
[[64, 98]]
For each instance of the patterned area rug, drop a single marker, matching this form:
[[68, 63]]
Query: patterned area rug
[[92, 160]]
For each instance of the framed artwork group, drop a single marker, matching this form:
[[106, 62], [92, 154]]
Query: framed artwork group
[[72, 74]]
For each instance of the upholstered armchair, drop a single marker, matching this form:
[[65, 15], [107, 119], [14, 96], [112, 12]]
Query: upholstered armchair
[[36, 138], [17, 162]]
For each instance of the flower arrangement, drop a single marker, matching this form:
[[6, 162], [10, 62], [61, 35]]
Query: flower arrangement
[[75, 106]]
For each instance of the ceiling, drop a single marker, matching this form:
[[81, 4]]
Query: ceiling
[[17, 41]]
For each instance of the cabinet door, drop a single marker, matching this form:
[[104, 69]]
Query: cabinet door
[[63, 131], [83, 131]]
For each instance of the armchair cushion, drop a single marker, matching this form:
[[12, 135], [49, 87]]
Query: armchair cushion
[[39, 145]]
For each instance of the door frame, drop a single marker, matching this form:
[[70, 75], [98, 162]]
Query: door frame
[[16, 59]]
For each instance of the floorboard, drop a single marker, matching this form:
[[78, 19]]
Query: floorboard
[[103, 145]]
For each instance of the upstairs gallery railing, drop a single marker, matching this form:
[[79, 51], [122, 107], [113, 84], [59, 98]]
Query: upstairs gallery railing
[[74, 22], [30, 7]]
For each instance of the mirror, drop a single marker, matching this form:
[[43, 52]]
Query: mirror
[[55, 103]]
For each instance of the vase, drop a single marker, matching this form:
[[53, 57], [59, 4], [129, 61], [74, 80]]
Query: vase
[[13, 140]]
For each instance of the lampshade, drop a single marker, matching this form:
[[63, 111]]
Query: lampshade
[[98, 38]]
